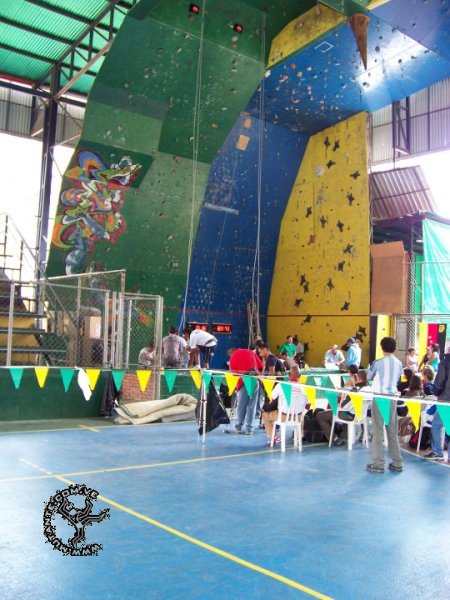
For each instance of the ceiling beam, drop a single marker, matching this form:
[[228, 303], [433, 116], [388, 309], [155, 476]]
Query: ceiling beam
[[45, 59]]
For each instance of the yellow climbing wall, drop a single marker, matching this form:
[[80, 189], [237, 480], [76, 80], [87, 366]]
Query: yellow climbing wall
[[300, 32], [321, 283]]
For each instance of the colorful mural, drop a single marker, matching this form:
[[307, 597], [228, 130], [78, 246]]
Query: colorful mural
[[90, 209]]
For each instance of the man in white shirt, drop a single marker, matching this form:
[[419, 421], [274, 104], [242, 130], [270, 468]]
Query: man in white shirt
[[388, 371], [333, 357], [202, 345]]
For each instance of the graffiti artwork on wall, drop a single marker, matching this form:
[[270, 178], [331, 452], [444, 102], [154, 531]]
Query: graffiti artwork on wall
[[90, 209]]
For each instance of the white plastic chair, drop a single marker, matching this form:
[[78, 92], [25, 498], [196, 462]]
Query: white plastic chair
[[291, 415], [351, 433]]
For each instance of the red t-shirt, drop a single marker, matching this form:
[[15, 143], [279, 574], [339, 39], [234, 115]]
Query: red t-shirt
[[242, 361]]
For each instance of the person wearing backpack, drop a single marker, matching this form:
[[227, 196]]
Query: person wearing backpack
[[442, 391], [272, 364]]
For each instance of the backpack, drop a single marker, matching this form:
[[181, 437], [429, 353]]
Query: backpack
[[425, 441], [311, 428]]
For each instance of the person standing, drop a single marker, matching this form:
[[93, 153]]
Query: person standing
[[245, 362], [388, 370], [288, 347], [442, 391], [202, 345], [172, 348], [353, 353]]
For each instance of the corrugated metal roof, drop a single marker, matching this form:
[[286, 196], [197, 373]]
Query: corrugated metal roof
[[400, 192], [36, 34]]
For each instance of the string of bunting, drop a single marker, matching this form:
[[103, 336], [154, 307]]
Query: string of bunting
[[250, 382]]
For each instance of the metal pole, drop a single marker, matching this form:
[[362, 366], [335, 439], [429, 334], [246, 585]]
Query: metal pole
[[106, 331], [158, 341], [120, 321], [78, 324], [113, 328], [127, 348], [10, 324]]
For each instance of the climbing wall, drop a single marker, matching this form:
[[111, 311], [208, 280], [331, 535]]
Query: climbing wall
[[321, 283]]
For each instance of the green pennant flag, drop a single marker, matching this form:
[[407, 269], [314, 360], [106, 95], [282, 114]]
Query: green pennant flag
[[207, 380], [250, 384], [384, 404], [218, 380], [444, 413], [66, 376], [16, 375], [118, 378], [287, 391], [332, 398], [170, 379]]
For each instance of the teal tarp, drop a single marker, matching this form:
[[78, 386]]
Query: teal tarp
[[436, 274]]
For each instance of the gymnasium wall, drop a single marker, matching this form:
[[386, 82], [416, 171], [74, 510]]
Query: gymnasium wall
[[321, 284]]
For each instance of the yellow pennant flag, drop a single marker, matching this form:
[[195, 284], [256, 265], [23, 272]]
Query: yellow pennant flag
[[93, 377], [197, 377], [415, 408], [311, 395], [41, 375], [143, 376], [303, 378], [357, 402], [232, 381], [268, 385]]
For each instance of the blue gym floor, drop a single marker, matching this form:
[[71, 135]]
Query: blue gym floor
[[228, 519]]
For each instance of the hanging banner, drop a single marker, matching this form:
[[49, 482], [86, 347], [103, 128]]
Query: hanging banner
[[311, 395], [357, 402], [66, 376], [16, 375], [332, 397], [287, 391], [336, 380], [303, 378], [250, 383], [41, 375], [196, 377], [218, 380], [207, 376], [232, 381], [170, 377], [143, 376], [415, 408], [118, 378], [384, 404], [93, 375], [268, 386], [444, 413]]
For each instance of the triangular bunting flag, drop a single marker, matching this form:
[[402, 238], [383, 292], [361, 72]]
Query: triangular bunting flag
[[250, 384], [357, 401], [287, 391], [93, 377], [311, 395], [66, 376], [218, 380], [415, 408], [268, 385], [303, 378], [196, 377], [384, 404], [16, 375], [143, 376], [232, 381], [118, 378], [336, 380], [444, 413], [332, 397], [41, 375], [170, 377], [207, 376], [318, 381]]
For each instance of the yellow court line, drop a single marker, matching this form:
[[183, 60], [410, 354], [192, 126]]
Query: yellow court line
[[205, 546], [90, 428], [154, 465]]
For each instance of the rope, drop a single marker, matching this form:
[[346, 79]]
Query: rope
[[256, 264], [195, 134]]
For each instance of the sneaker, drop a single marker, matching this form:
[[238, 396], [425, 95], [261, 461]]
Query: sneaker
[[393, 467], [374, 469], [433, 456], [276, 441], [337, 441]]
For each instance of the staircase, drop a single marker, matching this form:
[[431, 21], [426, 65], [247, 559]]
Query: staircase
[[29, 333]]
